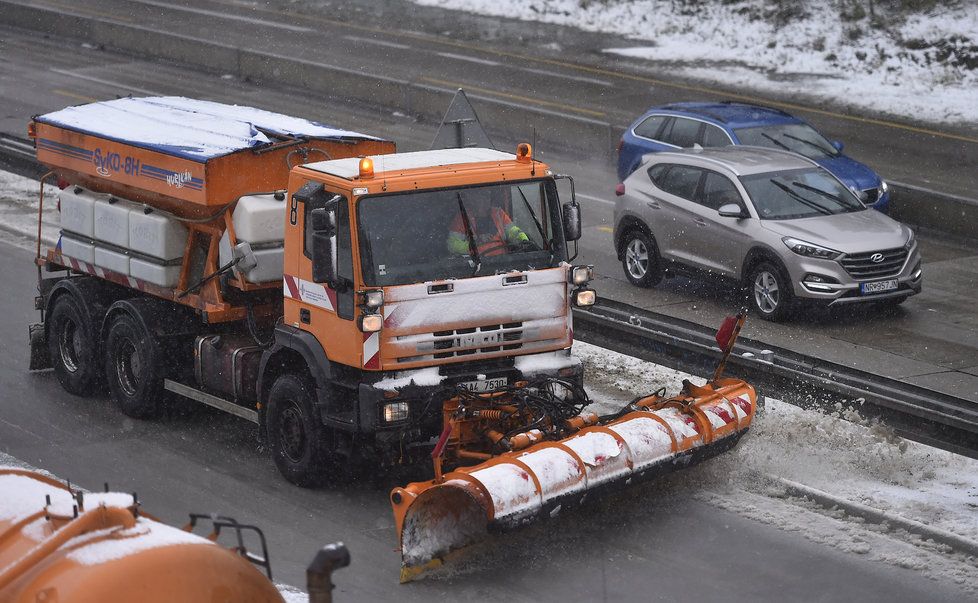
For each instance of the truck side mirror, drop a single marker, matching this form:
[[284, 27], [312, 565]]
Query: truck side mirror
[[571, 214], [323, 245]]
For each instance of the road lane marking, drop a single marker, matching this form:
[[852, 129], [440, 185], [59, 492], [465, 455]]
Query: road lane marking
[[87, 11], [595, 199], [462, 57], [605, 229], [81, 97], [525, 99], [564, 76], [620, 75], [220, 15], [98, 80], [377, 42]]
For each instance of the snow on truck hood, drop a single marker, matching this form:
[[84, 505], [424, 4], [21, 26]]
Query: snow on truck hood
[[188, 128]]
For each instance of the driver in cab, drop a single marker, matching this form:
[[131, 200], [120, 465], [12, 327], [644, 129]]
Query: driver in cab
[[481, 219]]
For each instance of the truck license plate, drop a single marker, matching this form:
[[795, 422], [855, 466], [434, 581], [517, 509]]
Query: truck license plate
[[485, 385], [877, 287]]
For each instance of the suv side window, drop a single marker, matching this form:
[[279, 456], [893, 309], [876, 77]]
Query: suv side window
[[683, 133], [717, 191], [657, 172], [650, 127], [682, 181], [714, 136]]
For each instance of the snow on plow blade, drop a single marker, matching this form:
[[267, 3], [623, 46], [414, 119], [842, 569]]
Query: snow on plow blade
[[655, 436]]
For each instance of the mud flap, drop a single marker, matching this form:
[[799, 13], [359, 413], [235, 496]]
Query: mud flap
[[40, 359]]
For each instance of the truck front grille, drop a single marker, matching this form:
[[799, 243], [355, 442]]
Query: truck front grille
[[475, 340], [862, 265]]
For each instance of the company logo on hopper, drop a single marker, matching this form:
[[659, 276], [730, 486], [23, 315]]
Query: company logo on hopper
[[107, 162], [178, 179]]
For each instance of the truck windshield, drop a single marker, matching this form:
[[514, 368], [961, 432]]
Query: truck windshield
[[800, 193], [459, 232]]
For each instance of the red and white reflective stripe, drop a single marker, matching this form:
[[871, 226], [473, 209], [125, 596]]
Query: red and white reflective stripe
[[371, 350], [309, 292]]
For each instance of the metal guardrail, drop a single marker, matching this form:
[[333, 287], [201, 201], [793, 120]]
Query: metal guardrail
[[914, 412]]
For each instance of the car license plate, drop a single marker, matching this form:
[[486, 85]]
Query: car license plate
[[485, 385], [877, 287]]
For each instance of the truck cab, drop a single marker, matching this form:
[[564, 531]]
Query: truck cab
[[407, 276]]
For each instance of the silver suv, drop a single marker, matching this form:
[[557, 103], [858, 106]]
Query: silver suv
[[773, 220]]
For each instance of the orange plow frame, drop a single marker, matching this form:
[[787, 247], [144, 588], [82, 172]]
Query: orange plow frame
[[658, 435]]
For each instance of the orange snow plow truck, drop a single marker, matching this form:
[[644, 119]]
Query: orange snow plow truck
[[365, 308], [59, 544]]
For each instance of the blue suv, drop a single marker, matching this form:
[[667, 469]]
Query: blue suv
[[683, 125]]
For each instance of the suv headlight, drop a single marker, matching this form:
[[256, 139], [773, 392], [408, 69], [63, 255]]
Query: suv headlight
[[911, 238], [810, 250], [883, 187]]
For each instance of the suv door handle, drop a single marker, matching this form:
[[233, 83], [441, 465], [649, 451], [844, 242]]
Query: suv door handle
[[653, 204], [700, 222]]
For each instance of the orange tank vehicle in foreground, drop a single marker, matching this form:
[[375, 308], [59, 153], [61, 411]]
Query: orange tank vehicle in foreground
[[372, 310], [62, 544]]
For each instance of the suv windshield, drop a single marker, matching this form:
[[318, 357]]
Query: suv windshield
[[802, 193], [459, 232], [799, 138]]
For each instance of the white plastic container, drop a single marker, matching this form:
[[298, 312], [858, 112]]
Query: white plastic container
[[270, 262], [153, 272], [111, 260], [153, 234], [112, 220], [80, 250], [78, 210], [259, 219]]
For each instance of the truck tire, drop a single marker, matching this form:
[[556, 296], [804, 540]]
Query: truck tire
[[300, 444], [72, 347], [134, 368], [640, 259]]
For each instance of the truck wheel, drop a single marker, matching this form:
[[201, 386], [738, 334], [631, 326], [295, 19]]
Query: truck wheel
[[134, 368], [640, 260], [299, 442], [769, 292], [72, 347]]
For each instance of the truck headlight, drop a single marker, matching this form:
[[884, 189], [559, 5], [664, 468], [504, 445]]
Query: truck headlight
[[395, 412], [810, 249], [581, 274], [373, 299], [371, 323], [585, 297]]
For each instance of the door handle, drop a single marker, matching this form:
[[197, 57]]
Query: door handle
[[700, 222], [653, 204]]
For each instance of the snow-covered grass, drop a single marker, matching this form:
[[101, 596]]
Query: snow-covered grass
[[914, 64]]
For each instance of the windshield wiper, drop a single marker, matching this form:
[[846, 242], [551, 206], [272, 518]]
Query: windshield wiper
[[825, 194], [776, 141], [809, 143], [804, 201], [543, 237], [473, 248]]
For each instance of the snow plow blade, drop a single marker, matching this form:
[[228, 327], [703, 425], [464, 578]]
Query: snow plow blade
[[649, 437]]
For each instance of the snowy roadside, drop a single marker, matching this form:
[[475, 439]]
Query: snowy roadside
[[18, 212], [840, 453], [291, 594], [917, 65]]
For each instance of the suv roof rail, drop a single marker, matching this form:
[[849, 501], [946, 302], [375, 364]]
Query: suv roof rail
[[698, 110]]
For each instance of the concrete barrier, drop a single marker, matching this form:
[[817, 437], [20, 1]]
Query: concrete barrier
[[581, 135]]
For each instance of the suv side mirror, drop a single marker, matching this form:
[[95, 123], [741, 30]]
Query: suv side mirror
[[323, 245], [571, 215], [837, 145], [731, 210]]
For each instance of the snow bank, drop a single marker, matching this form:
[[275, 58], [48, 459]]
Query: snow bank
[[915, 67]]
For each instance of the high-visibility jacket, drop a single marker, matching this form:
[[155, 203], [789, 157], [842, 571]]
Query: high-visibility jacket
[[494, 242]]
